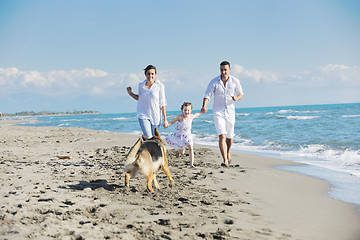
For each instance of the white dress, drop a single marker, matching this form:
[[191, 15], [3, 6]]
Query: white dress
[[181, 137]]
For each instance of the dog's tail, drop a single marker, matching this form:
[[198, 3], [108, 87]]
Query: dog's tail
[[131, 157]]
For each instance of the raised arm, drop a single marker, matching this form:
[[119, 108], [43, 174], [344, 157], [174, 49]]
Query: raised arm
[[174, 120], [198, 114], [133, 95]]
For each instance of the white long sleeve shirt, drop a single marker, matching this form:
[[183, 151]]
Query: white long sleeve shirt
[[223, 102], [151, 101]]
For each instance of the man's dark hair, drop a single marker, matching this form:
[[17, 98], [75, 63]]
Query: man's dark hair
[[223, 63], [149, 67]]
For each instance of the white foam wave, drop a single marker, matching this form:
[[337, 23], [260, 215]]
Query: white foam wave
[[63, 124], [318, 155], [301, 117], [121, 118], [349, 116], [207, 121], [285, 111], [243, 114], [297, 117], [346, 161], [74, 120]]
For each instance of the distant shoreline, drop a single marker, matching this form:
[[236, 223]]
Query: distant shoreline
[[47, 113]]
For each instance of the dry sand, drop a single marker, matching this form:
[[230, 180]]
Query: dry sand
[[44, 197]]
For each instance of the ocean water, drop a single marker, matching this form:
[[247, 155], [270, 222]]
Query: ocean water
[[325, 137]]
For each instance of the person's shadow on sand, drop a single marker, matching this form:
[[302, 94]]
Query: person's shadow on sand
[[93, 185]]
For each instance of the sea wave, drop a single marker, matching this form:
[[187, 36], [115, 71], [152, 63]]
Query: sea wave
[[74, 120], [207, 121], [121, 118], [301, 117], [350, 116], [347, 160], [297, 117], [243, 114], [286, 111], [63, 125], [318, 155]]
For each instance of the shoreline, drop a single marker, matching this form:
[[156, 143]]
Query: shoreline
[[337, 190], [43, 196], [292, 165], [298, 167]]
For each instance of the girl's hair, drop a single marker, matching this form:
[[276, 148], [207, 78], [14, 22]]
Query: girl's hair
[[185, 104], [149, 67]]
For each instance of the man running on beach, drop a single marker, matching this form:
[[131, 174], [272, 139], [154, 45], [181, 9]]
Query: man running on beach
[[226, 90]]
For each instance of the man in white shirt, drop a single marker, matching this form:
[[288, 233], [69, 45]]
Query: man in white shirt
[[226, 90]]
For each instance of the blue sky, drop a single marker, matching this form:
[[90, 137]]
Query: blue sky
[[66, 55]]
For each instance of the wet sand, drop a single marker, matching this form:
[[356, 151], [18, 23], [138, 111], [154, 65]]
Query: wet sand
[[44, 197]]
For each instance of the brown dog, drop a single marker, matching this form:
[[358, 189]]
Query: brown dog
[[148, 156]]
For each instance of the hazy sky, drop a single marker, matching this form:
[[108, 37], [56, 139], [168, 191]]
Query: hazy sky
[[66, 55]]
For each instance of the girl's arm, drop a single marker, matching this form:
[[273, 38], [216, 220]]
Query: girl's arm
[[198, 114], [178, 118]]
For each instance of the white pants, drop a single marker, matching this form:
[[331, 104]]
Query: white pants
[[225, 124]]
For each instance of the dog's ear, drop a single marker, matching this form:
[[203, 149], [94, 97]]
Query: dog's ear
[[144, 138], [132, 153], [157, 134]]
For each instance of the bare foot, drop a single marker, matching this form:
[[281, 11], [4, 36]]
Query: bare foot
[[225, 164], [180, 152]]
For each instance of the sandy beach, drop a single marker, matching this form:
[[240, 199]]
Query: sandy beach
[[44, 197]]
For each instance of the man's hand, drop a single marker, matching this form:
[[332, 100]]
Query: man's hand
[[165, 124], [204, 109], [237, 98]]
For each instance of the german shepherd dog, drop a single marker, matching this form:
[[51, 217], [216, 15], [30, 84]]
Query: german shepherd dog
[[148, 156]]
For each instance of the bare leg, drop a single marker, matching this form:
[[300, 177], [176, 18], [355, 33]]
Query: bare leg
[[223, 149], [127, 181], [191, 155], [150, 178], [166, 170], [229, 142], [180, 152], [156, 182]]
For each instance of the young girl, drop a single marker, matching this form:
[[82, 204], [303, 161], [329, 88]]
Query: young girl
[[181, 137]]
